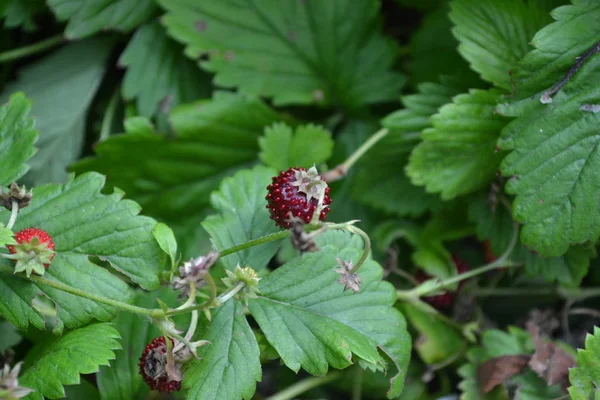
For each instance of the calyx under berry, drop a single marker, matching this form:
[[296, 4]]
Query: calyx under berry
[[298, 193], [33, 252]]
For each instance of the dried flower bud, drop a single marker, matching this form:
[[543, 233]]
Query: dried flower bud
[[16, 193], [349, 280], [9, 383], [194, 271]]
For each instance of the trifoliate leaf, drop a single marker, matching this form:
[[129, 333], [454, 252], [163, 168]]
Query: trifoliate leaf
[[496, 225], [122, 380], [229, 367], [169, 176], [83, 223], [59, 361], [159, 77], [313, 323], [166, 240], [495, 35], [9, 336], [61, 91], [17, 137], [381, 181], [86, 17], [303, 52], [242, 216], [585, 378], [308, 145], [554, 146], [458, 154]]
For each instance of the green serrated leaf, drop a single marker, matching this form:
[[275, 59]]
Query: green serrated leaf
[[83, 223], [585, 378], [9, 336], [381, 181], [61, 91], [166, 240], [242, 216], [159, 77], [6, 236], [21, 13], [59, 361], [458, 154], [554, 147], [171, 176], [497, 227], [229, 366], [334, 52], [122, 380], [494, 35], [308, 145], [312, 323], [17, 137], [87, 17]]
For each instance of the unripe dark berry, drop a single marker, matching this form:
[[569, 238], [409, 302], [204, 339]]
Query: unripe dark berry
[[290, 196], [445, 301], [152, 367]]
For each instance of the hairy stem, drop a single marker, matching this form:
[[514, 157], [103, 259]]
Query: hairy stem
[[224, 297], [14, 211], [255, 242], [342, 170], [31, 49], [304, 385], [366, 250]]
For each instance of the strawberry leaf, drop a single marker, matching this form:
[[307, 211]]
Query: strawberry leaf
[[83, 223], [17, 137], [229, 367], [282, 149], [458, 154], [508, 24], [86, 17], [58, 361], [166, 240], [554, 147], [335, 53], [585, 378], [242, 216], [9, 336], [61, 91], [159, 77], [6, 236], [312, 323]]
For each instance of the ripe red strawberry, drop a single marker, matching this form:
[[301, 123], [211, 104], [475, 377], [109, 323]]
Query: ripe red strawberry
[[33, 252], [444, 302], [153, 367], [296, 192]]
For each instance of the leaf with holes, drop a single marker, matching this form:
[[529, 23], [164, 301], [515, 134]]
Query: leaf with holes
[[313, 323], [84, 225], [554, 147], [242, 216], [301, 52], [59, 361]]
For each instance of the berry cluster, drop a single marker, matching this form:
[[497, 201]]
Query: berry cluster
[[294, 193], [444, 302], [152, 367]]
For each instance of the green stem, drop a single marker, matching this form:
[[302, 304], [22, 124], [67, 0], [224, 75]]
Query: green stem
[[14, 211], [25, 51], [154, 313], [499, 292], [255, 242], [224, 297], [357, 384], [303, 386], [109, 115], [366, 250]]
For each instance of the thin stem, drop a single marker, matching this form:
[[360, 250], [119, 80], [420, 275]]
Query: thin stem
[[212, 287], [255, 242], [304, 385], [109, 115], [154, 313], [31, 49], [508, 292], [190, 332], [342, 170], [357, 385], [224, 297], [14, 211], [366, 250], [191, 299]]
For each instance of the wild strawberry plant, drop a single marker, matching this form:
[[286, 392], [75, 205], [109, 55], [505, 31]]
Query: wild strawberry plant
[[280, 199]]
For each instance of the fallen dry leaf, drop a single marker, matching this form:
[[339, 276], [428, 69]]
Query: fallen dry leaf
[[495, 371]]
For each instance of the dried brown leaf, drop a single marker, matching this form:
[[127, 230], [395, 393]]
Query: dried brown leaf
[[495, 371]]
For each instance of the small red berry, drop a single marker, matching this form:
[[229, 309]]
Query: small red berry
[[153, 367], [27, 235], [444, 302], [296, 193]]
